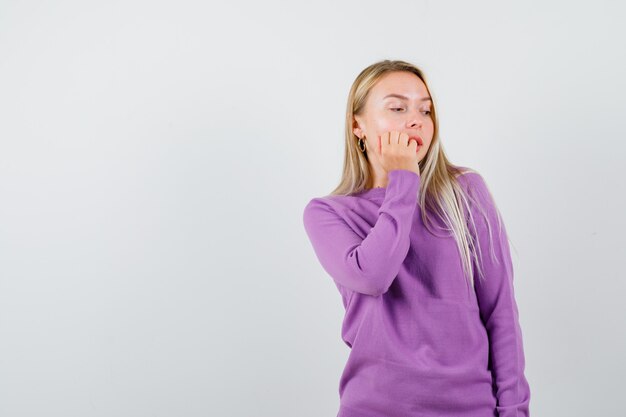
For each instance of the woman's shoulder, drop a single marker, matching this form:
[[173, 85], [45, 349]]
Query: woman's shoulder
[[332, 199], [474, 184], [462, 172], [336, 203], [469, 177]]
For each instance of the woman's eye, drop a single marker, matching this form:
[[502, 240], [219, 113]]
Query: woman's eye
[[427, 112]]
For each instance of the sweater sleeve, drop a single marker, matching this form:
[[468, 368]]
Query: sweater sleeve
[[366, 264], [498, 308]]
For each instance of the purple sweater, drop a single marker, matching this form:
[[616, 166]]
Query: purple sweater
[[422, 342]]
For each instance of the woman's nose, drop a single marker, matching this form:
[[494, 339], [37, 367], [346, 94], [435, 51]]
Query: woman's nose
[[415, 119]]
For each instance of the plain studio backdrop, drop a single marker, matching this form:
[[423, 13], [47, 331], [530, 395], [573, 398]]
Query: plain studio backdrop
[[156, 157]]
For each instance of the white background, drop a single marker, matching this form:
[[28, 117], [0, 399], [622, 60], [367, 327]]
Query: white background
[[156, 156]]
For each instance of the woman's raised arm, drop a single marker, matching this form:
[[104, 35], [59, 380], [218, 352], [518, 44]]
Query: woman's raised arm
[[368, 264]]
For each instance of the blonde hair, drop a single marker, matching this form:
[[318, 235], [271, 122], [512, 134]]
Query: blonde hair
[[440, 191]]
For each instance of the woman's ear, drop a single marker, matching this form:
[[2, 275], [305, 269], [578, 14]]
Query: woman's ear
[[356, 129]]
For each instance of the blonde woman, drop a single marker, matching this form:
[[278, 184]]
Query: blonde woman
[[419, 253]]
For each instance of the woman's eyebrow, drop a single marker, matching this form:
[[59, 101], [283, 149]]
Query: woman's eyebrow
[[404, 97]]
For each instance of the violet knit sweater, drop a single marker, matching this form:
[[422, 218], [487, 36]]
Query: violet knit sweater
[[422, 342]]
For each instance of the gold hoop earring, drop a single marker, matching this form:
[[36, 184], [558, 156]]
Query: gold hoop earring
[[361, 144]]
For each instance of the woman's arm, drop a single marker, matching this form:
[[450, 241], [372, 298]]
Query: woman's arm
[[367, 264], [498, 308]]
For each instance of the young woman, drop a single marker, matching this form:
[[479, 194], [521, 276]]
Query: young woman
[[419, 253]]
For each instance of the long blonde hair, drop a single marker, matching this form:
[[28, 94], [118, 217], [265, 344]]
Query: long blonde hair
[[440, 191]]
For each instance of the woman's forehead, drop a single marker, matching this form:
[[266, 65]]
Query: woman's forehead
[[404, 86]]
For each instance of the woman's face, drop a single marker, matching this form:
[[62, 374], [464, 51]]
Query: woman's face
[[398, 101]]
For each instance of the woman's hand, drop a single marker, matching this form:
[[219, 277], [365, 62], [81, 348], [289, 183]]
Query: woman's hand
[[395, 151]]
